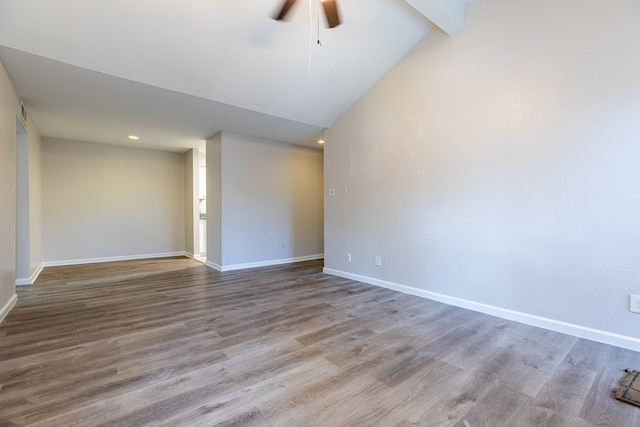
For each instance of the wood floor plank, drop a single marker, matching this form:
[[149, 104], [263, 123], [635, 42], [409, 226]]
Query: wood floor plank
[[500, 406], [173, 342], [272, 396], [335, 401], [542, 417], [566, 390]]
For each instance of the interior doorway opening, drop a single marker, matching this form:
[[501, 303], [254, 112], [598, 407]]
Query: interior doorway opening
[[201, 245]]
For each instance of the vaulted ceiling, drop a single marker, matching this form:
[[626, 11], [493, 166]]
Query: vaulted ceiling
[[175, 73]]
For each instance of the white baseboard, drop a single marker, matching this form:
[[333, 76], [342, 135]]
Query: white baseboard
[[198, 257], [36, 274], [8, 306], [605, 337], [112, 259], [32, 279], [263, 263], [213, 265]]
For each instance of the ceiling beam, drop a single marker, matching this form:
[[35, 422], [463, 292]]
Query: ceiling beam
[[448, 15]]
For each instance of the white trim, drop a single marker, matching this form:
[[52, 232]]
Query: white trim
[[36, 273], [213, 265], [611, 338], [112, 259], [263, 263], [32, 279], [8, 306]]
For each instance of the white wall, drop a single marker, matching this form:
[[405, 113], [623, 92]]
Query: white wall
[[102, 201], [499, 168], [214, 200], [8, 110], [191, 162], [270, 197]]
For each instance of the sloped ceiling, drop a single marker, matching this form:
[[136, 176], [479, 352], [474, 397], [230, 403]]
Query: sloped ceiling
[[175, 73]]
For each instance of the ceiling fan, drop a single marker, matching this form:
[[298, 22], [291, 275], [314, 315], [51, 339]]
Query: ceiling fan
[[330, 11]]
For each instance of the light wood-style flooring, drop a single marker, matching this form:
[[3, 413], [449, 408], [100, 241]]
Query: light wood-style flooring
[[171, 342]]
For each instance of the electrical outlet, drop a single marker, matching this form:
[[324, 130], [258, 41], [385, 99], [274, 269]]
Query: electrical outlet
[[349, 256], [634, 303], [378, 261]]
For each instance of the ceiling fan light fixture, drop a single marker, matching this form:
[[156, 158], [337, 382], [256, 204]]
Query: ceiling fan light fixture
[[330, 11], [286, 6]]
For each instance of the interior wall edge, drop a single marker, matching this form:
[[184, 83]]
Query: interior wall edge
[[31, 279], [213, 265]]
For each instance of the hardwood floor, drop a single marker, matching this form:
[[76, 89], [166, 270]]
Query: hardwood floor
[[172, 342]]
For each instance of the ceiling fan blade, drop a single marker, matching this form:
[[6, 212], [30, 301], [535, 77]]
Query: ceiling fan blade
[[331, 12], [285, 9]]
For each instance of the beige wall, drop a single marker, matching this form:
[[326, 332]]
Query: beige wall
[[8, 110], [102, 201], [29, 208], [23, 247], [30, 234], [35, 199], [270, 201], [214, 199], [498, 169]]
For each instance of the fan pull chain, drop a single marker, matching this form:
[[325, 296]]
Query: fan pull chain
[[318, 41], [310, 34]]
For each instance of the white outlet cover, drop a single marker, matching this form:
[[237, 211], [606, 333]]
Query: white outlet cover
[[634, 303]]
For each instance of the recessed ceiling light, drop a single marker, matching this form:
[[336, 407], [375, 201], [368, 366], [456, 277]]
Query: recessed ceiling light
[[133, 137], [321, 141]]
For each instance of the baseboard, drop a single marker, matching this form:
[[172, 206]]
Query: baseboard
[[8, 306], [528, 319], [32, 279], [112, 259], [213, 265], [36, 273], [263, 263]]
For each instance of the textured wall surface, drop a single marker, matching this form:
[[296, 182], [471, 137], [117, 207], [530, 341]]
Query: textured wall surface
[[500, 165], [102, 201]]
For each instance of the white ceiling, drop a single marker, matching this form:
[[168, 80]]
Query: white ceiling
[[175, 73]]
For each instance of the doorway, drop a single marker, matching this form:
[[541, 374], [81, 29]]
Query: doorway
[[202, 208], [199, 212]]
